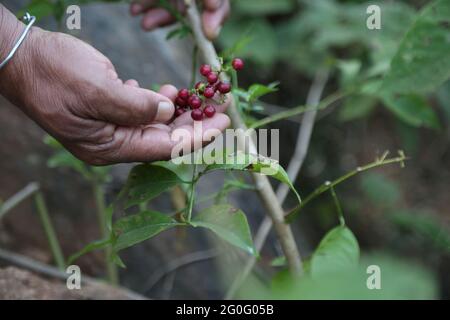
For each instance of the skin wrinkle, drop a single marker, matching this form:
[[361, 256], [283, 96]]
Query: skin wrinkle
[[65, 85], [2, 27], [6, 43]]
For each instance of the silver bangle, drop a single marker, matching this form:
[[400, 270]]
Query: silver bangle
[[30, 21]]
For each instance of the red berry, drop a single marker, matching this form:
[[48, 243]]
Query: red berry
[[209, 92], [224, 87], [195, 102], [212, 78], [238, 64], [183, 94], [179, 112], [205, 70], [210, 111], [197, 114], [180, 102]]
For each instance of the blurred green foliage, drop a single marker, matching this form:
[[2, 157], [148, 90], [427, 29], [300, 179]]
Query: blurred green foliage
[[307, 36], [385, 196], [408, 56], [61, 158], [403, 67], [380, 190], [400, 279]]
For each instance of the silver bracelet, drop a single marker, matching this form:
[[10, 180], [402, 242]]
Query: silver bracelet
[[30, 21]]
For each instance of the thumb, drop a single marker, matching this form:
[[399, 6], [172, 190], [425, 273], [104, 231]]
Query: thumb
[[132, 106]]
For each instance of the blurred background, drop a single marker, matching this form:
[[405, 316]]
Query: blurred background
[[400, 216]]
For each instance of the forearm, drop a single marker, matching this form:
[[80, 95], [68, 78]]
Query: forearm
[[15, 71], [10, 29]]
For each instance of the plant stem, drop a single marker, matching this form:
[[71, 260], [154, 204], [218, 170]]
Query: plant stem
[[302, 109], [194, 66], [49, 231], [235, 84], [328, 185], [264, 188], [192, 195], [295, 165], [17, 198], [338, 206], [111, 268]]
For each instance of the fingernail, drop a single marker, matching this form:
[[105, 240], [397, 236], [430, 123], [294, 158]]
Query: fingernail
[[136, 8], [165, 111]]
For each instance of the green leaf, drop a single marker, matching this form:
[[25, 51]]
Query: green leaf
[[65, 159], [338, 250], [279, 262], [40, 9], [234, 161], [147, 181], [275, 170], [413, 110], [357, 107], [228, 223], [424, 224], [183, 171], [136, 228], [422, 62], [400, 279], [52, 142], [241, 93], [256, 91], [114, 258], [247, 162], [95, 245]]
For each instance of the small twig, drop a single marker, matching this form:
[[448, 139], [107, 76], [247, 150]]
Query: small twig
[[49, 230], [50, 271], [20, 196], [192, 194], [338, 206], [293, 170], [194, 66], [272, 109], [30, 264], [177, 264], [33, 189], [179, 199], [328, 185], [305, 132], [302, 109], [99, 196], [263, 185]]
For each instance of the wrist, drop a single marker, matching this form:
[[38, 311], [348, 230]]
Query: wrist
[[17, 70], [10, 31]]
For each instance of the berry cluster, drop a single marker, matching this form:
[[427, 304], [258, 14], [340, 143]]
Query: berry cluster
[[195, 99]]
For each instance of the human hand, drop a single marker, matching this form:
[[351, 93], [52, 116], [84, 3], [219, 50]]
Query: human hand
[[74, 93], [214, 14]]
